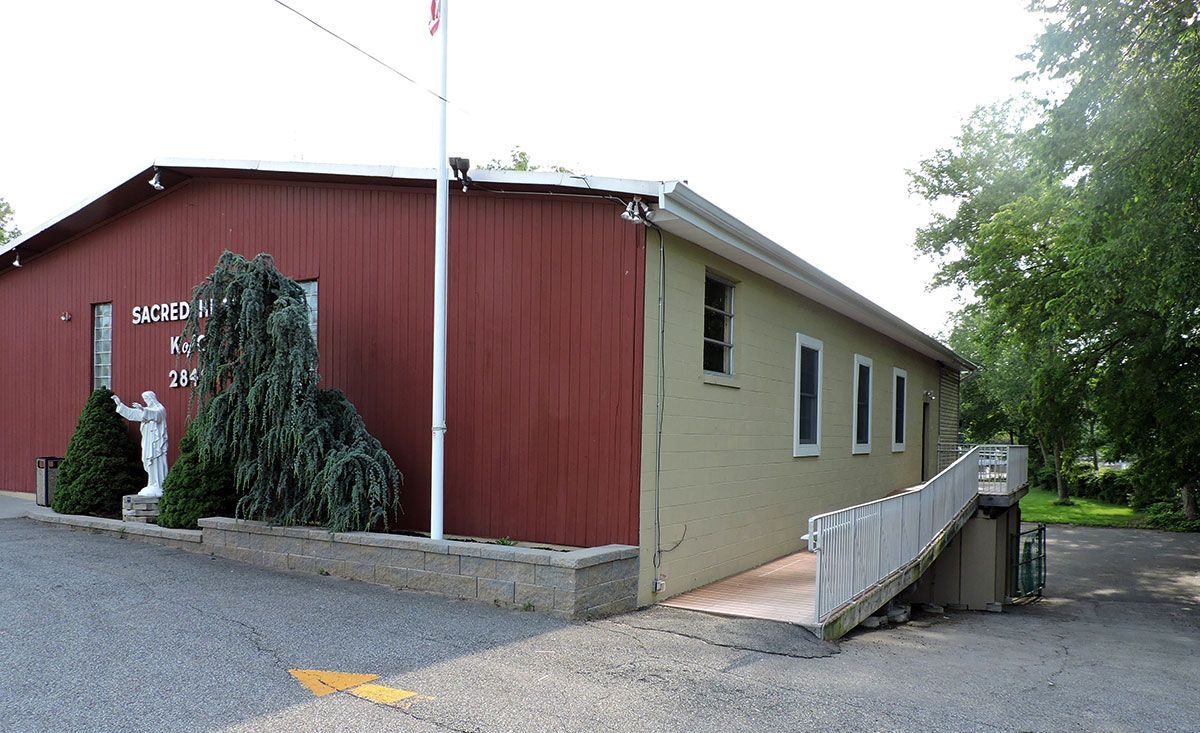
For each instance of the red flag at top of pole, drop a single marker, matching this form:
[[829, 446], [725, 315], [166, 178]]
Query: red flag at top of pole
[[435, 16]]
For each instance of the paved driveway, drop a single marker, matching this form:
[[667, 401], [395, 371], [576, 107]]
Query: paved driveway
[[98, 633]]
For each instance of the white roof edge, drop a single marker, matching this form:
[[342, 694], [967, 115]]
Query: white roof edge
[[786, 268], [629, 186], [79, 206], [674, 197], [529, 178]]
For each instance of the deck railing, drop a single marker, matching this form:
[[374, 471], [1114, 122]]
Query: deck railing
[[1002, 468], [859, 546]]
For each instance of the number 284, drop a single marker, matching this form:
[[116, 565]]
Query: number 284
[[182, 378]]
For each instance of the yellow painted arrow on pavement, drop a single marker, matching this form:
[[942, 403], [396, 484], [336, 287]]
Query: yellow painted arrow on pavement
[[322, 682]]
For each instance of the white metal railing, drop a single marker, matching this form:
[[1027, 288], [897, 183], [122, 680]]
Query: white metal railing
[[1002, 468], [859, 546]]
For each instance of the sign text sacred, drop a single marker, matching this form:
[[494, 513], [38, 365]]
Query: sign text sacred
[[165, 312]]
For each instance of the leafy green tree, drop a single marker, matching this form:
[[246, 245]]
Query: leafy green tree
[[992, 397], [1005, 241], [1127, 130], [518, 160], [299, 454], [194, 487], [8, 230], [103, 462], [1077, 225]]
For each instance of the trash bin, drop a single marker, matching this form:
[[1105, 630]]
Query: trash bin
[[47, 477]]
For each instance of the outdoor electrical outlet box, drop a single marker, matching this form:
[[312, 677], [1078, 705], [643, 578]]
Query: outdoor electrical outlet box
[[660, 584]]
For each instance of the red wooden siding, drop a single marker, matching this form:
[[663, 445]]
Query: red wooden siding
[[544, 382]]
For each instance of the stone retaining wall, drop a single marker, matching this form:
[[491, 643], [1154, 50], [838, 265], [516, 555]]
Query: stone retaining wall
[[583, 583]]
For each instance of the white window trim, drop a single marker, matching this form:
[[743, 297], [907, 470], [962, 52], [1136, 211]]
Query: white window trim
[[807, 449], [857, 448], [732, 285], [898, 372]]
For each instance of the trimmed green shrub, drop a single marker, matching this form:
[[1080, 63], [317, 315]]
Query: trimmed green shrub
[[103, 462], [194, 487]]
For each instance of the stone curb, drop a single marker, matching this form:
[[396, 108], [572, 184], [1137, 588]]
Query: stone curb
[[116, 526]]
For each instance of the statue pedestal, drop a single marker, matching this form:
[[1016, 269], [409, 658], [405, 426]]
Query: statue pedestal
[[137, 508]]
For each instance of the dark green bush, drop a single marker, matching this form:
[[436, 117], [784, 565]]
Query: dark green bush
[[1169, 516], [195, 488], [103, 462], [1148, 487], [1114, 486], [1042, 477]]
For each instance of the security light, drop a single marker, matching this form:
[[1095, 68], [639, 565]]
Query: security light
[[460, 166], [637, 211], [16, 258], [155, 182]]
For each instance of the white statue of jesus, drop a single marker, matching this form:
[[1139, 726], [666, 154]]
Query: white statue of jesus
[[153, 418]]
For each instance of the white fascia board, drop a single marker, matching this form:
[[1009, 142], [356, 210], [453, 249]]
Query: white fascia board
[[629, 186], [691, 216], [13, 244]]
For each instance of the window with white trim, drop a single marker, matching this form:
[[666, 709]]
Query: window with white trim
[[860, 430], [310, 298], [806, 427], [899, 407], [718, 325], [102, 346]]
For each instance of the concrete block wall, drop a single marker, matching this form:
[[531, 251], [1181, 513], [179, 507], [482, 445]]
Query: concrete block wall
[[732, 494], [586, 583]]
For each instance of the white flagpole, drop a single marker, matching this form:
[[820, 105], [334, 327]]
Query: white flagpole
[[437, 463]]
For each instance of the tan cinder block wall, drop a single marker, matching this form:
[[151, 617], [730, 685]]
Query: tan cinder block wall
[[732, 495]]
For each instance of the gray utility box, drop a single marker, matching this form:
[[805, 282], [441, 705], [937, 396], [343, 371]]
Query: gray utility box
[[47, 477]]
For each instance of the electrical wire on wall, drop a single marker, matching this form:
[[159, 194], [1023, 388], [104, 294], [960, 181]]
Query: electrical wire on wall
[[660, 396], [660, 402]]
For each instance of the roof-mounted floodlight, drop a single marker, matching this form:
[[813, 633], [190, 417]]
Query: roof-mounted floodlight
[[16, 258], [460, 166], [155, 182], [637, 211]]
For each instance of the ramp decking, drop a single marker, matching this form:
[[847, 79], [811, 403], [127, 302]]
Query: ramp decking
[[781, 590]]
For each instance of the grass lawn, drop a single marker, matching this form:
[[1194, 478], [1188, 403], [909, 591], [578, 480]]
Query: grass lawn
[[1039, 506]]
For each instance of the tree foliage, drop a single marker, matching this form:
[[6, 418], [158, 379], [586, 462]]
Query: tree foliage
[[195, 488], [518, 160], [8, 230], [103, 462], [1076, 221], [299, 454]]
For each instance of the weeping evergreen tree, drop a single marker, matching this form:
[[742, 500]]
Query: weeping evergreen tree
[[299, 454]]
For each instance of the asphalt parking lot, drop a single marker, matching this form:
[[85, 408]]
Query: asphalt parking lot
[[102, 634]]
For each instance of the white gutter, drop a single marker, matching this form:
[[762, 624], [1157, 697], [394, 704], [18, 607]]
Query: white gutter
[[695, 218]]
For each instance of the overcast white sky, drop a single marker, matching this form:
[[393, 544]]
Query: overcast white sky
[[798, 118]]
